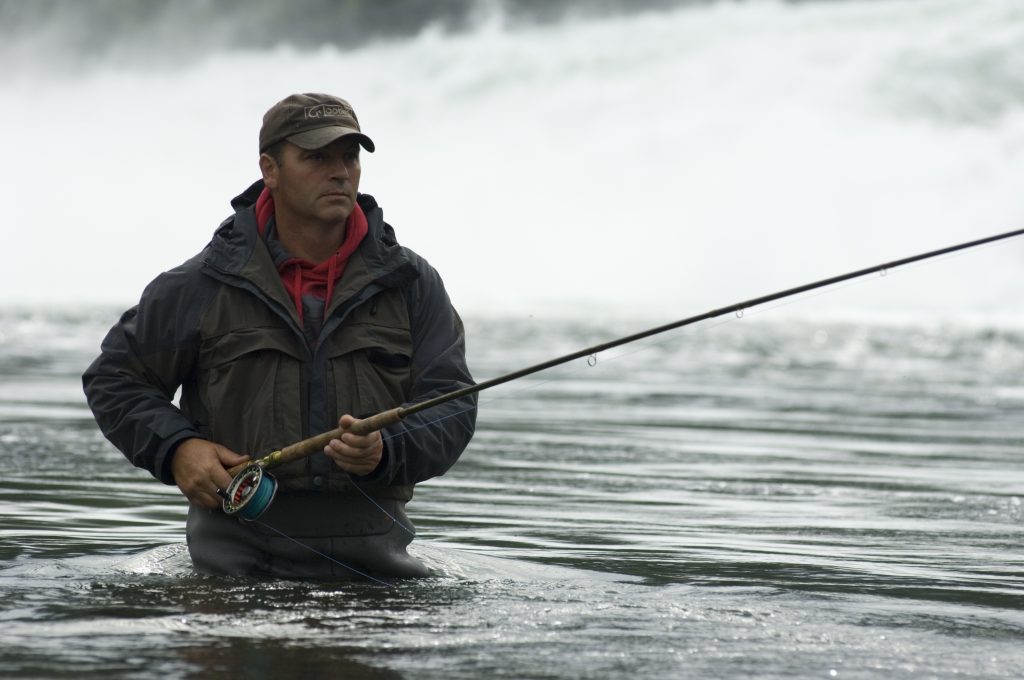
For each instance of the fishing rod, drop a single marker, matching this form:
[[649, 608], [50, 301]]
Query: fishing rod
[[252, 490]]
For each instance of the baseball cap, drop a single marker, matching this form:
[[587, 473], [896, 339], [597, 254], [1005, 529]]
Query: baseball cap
[[311, 121]]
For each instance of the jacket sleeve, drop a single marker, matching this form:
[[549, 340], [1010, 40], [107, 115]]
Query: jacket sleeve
[[143, 360], [427, 444]]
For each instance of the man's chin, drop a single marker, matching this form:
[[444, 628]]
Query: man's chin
[[336, 215]]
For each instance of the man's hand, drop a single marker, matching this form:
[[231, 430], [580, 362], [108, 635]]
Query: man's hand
[[200, 469], [358, 454]]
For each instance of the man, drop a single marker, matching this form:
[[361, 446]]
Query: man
[[303, 307]]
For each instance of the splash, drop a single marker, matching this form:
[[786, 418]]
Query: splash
[[660, 163]]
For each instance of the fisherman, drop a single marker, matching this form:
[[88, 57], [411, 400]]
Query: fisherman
[[303, 307]]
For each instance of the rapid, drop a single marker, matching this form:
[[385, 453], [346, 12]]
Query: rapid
[[826, 488]]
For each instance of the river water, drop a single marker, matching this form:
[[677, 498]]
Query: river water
[[766, 497], [831, 493]]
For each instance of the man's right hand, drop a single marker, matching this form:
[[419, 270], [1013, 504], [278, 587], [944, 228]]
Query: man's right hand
[[200, 469]]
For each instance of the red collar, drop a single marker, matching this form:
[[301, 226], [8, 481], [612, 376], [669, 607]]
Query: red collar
[[305, 278]]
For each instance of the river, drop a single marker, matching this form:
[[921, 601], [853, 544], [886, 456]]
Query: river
[[764, 497]]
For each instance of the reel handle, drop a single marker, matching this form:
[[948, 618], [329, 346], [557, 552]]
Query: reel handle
[[308, 447]]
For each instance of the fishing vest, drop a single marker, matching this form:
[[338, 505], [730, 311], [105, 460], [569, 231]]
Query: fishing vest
[[257, 379]]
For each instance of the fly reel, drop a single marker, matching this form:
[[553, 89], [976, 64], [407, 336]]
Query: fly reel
[[250, 493]]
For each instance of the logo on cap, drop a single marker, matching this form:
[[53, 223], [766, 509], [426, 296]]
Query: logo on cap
[[326, 111]]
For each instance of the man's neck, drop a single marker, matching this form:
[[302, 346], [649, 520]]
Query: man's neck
[[313, 242]]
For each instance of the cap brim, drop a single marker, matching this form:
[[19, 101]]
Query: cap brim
[[320, 137]]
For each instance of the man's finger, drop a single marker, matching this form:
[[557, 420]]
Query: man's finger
[[221, 479], [228, 457]]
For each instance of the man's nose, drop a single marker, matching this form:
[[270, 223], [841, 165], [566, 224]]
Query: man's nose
[[339, 168]]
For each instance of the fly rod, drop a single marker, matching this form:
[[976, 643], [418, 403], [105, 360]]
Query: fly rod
[[251, 493]]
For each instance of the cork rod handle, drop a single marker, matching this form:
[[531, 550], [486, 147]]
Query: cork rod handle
[[308, 447]]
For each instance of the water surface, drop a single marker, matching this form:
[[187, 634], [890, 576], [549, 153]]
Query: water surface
[[761, 498]]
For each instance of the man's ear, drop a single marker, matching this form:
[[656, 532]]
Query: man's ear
[[269, 168]]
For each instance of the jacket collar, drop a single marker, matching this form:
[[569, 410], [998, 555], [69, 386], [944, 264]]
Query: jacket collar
[[238, 251]]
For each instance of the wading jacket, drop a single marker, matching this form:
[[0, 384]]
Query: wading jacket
[[222, 328]]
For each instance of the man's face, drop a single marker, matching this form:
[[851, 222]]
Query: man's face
[[314, 186]]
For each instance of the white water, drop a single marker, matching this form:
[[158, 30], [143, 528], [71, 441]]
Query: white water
[[661, 163]]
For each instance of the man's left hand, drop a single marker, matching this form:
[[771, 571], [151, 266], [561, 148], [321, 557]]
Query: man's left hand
[[358, 454]]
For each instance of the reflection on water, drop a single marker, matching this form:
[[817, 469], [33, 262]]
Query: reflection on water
[[759, 498]]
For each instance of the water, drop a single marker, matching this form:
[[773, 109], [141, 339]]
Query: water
[[636, 162], [764, 497], [829, 488]]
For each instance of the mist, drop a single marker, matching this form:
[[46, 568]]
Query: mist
[[658, 162]]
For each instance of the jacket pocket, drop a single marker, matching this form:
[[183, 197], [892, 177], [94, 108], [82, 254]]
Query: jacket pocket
[[371, 368], [251, 378], [370, 357]]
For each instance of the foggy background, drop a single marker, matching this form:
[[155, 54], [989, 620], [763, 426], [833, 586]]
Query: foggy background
[[615, 159]]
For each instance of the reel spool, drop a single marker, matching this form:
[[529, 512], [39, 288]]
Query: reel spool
[[250, 493]]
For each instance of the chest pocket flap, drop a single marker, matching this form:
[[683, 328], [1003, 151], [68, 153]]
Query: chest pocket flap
[[251, 379], [371, 358]]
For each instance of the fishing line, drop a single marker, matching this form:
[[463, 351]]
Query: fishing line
[[592, 360], [261, 497], [813, 291], [375, 504], [754, 307], [325, 556], [883, 272]]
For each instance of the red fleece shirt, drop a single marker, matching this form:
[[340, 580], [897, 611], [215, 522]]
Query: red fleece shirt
[[302, 277]]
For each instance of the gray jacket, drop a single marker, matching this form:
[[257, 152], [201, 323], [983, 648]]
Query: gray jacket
[[222, 328]]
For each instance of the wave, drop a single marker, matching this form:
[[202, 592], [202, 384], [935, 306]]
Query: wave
[[112, 30], [662, 162]]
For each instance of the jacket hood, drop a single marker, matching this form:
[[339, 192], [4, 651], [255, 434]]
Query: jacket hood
[[234, 243], [247, 199]]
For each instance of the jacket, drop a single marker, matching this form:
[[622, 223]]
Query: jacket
[[222, 328]]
